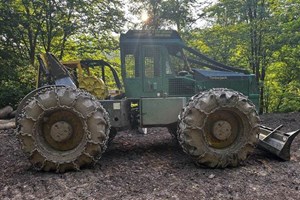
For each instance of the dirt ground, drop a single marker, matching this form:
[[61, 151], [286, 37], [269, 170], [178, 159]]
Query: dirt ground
[[153, 166]]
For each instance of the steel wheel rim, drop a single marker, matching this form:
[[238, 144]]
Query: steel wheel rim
[[231, 123]]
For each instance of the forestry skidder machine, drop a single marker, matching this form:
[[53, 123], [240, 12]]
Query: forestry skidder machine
[[206, 105]]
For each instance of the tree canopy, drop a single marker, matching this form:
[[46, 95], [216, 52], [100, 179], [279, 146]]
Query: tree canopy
[[261, 36]]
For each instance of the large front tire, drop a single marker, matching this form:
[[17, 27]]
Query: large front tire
[[218, 128], [62, 129]]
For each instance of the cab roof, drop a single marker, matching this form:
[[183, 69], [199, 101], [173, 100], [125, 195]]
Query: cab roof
[[151, 36]]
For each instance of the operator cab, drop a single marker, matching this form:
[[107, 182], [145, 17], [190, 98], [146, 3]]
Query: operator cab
[[145, 62], [157, 63], [151, 60]]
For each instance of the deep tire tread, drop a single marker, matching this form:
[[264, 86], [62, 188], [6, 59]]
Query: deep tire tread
[[194, 116], [48, 99]]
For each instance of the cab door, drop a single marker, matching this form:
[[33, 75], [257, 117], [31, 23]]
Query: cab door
[[152, 62]]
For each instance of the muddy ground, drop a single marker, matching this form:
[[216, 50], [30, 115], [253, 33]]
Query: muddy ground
[[153, 166]]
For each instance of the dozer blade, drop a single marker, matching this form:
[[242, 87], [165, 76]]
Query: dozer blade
[[277, 142]]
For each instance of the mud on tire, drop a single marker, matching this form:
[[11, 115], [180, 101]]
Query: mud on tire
[[218, 128], [61, 129]]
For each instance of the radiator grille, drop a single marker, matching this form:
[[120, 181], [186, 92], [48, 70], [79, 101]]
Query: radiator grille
[[181, 87]]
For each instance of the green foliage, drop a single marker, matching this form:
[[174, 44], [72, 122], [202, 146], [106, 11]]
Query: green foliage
[[261, 36], [14, 89], [71, 29], [283, 73], [224, 44], [283, 81], [166, 14]]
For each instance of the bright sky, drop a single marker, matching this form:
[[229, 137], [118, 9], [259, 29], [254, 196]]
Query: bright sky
[[134, 20]]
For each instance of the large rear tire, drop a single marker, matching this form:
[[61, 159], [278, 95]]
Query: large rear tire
[[218, 128], [62, 129]]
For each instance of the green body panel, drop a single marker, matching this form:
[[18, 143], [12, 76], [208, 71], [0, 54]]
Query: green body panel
[[255, 99], [161, 111], [238, 85], [143, 84], [241, 85], [149, 72], [133, 87]]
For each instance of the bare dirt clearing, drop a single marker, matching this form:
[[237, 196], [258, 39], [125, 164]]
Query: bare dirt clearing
[[153, 166]]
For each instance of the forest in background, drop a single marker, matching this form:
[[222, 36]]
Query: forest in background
[[262, 36]]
